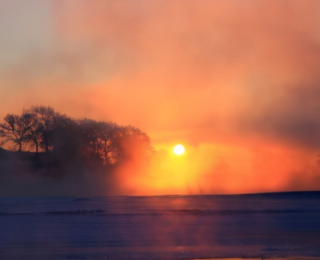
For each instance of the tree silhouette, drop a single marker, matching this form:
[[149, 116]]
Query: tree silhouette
[[59, 141], [35, 133], [15, 129], [132, 144], [43, 120], [107, 150]]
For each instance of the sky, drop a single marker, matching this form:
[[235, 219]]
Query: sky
[[236, 82]]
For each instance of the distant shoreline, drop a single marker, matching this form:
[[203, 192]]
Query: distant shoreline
[[282, 194]]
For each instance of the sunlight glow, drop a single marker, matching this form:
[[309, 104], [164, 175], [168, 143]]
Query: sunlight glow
[[179, 149]]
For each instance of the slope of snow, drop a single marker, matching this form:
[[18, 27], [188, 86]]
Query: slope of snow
[[160, 227]]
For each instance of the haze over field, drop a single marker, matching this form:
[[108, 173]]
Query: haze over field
[[236, 82]]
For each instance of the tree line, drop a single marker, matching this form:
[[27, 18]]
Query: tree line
[[41, 129]]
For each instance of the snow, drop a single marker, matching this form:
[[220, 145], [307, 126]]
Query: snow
[[161, 227]]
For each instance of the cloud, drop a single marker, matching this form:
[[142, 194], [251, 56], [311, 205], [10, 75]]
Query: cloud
[[226, 73], [291, 116], [205, 64]]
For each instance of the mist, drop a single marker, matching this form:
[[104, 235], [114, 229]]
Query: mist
[[236, 83]]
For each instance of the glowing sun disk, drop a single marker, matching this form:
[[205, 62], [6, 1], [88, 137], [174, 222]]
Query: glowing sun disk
[[179, 149]]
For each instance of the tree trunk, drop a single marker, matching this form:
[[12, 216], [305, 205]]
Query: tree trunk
[[47, 146], [105, 151]]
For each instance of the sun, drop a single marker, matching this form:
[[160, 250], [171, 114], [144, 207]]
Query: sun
[[179, 149]]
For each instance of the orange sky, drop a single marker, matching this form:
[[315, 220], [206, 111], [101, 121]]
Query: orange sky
[[235, 81]]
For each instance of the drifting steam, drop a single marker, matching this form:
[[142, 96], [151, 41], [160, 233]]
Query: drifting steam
[[237, 83]]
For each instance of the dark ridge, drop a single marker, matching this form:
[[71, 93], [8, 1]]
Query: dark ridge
[[286, 194], [83, 199], [14, 214], [280, 194], [84, 211], [5, 154], [231, 212], [192, 212]]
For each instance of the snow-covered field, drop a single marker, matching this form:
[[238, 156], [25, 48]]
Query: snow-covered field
[[161, 227]]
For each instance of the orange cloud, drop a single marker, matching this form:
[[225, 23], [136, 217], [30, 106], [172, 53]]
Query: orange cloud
[[228, 74]]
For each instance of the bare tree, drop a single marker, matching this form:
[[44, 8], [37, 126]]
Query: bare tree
[[35, 133], [105, 140], [43, 123], [84, 141], [132, 144], [15, 129]]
